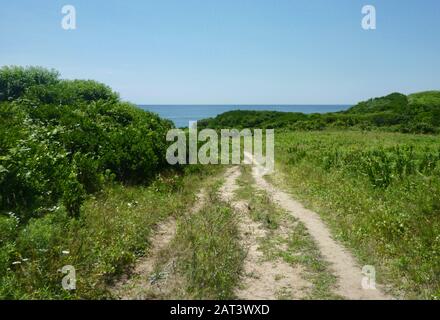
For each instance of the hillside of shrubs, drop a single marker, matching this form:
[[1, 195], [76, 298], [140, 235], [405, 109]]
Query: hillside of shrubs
[[61, 139], [415, 113], [61, 143]]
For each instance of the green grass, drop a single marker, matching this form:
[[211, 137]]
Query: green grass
[[261, 207], [210, 255], [379, 193], [303, 250], [111, 233]]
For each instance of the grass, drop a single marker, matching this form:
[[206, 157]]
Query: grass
[[111, 233], [303, 250], [210, 254], [394, 226], [378, 192], [261, 207]]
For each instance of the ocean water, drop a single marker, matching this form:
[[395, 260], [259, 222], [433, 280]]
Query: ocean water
[[182, 114]]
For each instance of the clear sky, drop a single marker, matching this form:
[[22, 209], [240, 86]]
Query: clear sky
[[231, 51]]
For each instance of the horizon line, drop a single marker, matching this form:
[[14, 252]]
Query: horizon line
[[246, 104]]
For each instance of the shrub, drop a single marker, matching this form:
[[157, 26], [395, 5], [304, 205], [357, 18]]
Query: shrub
[[68, 92], [60, 138], [14, 81]]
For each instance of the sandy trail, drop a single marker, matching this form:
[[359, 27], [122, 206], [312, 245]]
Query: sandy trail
[[262, 280], [342, 262], [143, 282]]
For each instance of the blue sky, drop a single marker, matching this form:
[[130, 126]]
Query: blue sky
[[231, 51]]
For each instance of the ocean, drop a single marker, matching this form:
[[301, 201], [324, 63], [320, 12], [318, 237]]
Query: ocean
[[182, 114]]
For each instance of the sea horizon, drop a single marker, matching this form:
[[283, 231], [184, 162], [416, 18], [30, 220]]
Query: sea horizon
[[181, 114]]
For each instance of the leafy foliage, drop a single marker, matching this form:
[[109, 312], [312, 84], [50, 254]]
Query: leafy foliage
[[417, 113], [61, 139], [380, 192], [15, 81], [61, 143]]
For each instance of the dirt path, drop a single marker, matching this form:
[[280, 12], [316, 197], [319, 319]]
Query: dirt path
[[262, 280], [153, 276], [142, 283], [342, 262]]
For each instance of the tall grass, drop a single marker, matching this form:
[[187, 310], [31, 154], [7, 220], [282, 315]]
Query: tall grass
[[111, 233], [210, 253], [380, 193]]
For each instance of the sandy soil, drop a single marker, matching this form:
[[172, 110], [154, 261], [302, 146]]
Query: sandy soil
[[143, 282], [343, 264], [262, 279]]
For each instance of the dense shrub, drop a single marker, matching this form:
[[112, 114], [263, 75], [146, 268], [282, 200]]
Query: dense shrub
[[60, 139], [417, 113], [68, 92], [14, 81]]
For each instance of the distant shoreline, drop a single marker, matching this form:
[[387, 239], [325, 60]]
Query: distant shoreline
[[182, 114]]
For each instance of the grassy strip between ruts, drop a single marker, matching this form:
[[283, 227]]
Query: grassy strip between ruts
[[292, 244], [210, 255]]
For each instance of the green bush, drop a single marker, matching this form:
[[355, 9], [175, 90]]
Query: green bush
[[60, 142], [416, 113], [68, 92], [60, 138], [14, 80], [8, 228]]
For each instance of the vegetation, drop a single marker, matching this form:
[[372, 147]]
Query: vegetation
[[84, 180], [77, 167], [380, 193], [111, 233], [293, 244], [61, 140], [377, 189], [416, 113], [210, 256], [64, 148]]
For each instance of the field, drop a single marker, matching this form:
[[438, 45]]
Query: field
[[112, 233], [379, 192]]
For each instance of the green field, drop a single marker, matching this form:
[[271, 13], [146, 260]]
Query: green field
[[379, 192]]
